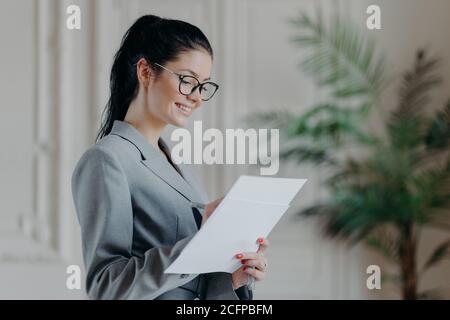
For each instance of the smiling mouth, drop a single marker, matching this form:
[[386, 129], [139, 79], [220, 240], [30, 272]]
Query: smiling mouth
[[184, 109]]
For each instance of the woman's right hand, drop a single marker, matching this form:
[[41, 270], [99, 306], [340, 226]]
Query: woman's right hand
[[209, 209]]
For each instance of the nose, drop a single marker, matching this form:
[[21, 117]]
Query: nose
[[195, 96]]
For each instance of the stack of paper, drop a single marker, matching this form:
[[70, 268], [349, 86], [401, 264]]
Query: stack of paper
[[250, 210]]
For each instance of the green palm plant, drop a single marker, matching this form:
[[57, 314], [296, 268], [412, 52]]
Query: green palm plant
[[386, 185]]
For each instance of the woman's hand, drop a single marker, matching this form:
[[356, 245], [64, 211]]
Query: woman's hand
[[209, 209], [251, 259]]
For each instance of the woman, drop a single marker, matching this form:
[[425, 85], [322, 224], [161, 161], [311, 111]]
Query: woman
[[133, 203]]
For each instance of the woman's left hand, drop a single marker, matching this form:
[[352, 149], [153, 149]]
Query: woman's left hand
[[209, 209], [251, 259]]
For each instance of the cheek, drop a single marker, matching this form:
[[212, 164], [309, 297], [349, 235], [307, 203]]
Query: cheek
[[170, 94], [161, 97]]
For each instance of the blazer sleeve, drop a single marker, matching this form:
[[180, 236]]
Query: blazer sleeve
[[103, 203], [220, 288]]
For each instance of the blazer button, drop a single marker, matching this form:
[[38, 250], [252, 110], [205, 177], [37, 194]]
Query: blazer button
[[184, 275]]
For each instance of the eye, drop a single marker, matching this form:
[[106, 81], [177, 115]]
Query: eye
[[188, 80]]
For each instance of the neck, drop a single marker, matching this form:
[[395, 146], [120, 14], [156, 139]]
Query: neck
[[149, 126]]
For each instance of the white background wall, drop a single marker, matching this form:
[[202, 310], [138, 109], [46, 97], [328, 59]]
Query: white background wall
[[54, 84]]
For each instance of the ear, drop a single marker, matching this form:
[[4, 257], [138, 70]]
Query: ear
[[144, 72]]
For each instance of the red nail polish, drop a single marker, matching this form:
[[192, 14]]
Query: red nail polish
[[260, 240], [243, 261], [239, 256], [245, 268]]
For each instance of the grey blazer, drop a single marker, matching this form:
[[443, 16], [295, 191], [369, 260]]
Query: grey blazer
[[134, 210]]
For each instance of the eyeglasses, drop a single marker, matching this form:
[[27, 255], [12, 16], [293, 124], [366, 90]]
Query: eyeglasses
[[188, 84]]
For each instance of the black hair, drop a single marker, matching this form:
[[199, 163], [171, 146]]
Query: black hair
[[156, 39]]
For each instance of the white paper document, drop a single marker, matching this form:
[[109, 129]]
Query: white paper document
[[250, 210]]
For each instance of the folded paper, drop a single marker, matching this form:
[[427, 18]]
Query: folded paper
[[250, 210]]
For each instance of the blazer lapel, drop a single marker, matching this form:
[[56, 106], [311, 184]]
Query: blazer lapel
[[155, 161], [163, 169], [193, 182]]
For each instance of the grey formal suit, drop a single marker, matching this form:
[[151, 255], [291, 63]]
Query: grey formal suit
[[134, 210]]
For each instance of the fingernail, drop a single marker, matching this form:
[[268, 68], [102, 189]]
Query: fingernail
[[243, 261], [239, 256], [245, 268], [260, 240]]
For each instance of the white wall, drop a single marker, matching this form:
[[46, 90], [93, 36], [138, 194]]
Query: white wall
[[54, 84]]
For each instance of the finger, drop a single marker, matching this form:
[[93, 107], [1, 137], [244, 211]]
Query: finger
[[248, 255], [210, 207], [207, 212], [263, 244], [258, 263], [257, 274], [216, 202]]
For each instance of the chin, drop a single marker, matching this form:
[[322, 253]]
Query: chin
[[180, 116], [180, 123]]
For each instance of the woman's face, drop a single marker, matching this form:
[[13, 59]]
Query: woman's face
[[164, 100]]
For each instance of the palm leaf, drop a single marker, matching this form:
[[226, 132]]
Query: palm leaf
[[415, 87], [393, 278], [430, 192], [385, 243], [340, 58], [303, 153], [440, 253], [331, 123], [438, 133], [407, 124], [352, 171]]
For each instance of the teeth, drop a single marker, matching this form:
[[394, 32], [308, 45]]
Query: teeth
[[183, 107]]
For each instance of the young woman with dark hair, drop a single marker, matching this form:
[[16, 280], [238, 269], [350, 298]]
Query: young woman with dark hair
[[133, 203]]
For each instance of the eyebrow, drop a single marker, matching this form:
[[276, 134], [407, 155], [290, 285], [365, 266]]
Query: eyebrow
[[194, 74]]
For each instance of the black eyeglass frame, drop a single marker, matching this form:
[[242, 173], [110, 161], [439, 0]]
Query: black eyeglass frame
[[182, 76]]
